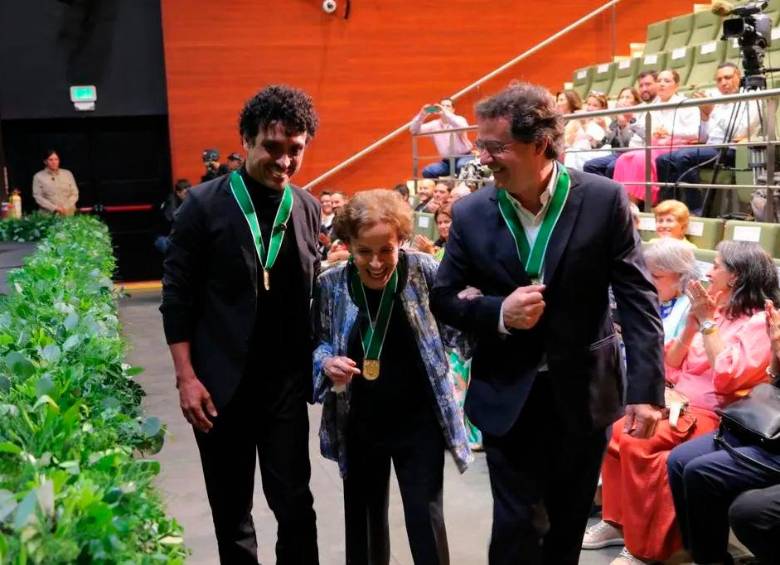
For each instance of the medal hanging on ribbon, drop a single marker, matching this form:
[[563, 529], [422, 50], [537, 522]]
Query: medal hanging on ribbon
[[373, 331], [267, 259], [532, 259]]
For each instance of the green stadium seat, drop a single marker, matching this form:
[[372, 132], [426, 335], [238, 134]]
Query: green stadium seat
[[647, 226], [680, 29], [706, 59], [652, 62], [625, 75], [705, 255], [602, 78], [681, 60], [582, 79], [706, 27], [705, 233], [656, 36], [766, 235]]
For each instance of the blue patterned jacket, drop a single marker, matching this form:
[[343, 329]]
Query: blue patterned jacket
[[336, 316]]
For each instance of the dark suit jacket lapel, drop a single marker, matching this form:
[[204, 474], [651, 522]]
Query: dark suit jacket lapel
[[562, 232], [505, 247], [301, 228], [242, 233]]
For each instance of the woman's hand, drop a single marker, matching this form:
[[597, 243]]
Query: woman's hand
[[703, 306], [340, 370], [773, 327], [424, 244]]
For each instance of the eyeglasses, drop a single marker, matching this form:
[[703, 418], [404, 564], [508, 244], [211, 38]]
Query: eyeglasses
[[492, 148]]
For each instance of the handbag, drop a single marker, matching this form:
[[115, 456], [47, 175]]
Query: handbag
[[755, 420]]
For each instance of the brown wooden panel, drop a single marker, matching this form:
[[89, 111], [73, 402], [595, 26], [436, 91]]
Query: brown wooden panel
[[372, 72]]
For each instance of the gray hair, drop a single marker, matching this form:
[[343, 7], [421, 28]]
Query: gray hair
[[671, 255]]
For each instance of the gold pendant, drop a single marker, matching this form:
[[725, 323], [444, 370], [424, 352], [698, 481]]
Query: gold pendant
[[371, 369], [266, 279]]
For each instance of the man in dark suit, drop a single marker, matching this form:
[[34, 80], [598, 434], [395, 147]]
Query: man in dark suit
[[237, 319], [546, 371]]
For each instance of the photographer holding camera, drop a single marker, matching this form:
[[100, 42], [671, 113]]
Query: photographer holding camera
[[448, 145], [213, 167]]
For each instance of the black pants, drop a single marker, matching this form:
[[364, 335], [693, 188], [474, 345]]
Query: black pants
[[543, 480], [755, 518], [248, 427], [418, 458]]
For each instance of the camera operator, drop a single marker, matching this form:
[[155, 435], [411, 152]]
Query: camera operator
[[213, 167]]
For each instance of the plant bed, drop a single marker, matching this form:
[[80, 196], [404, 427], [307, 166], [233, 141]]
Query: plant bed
[[75, 486]]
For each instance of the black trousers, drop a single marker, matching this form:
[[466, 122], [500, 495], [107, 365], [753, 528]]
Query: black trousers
[[755, 518], [278, 432], [418, 458], [543, 478]]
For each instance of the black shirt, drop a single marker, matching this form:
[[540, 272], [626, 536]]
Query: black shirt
[[401, 397], [277, 342]]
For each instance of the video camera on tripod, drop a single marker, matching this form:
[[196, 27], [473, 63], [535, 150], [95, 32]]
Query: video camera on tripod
[[753, 31]]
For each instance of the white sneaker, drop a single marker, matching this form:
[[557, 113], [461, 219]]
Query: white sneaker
[[625, 558], [602, 535]]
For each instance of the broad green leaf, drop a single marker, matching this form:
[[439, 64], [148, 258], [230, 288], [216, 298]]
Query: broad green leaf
[[71, 321], [7, 504], [45, 399], [133, 371], [44, 385], [151, 426], [72, 342], [8, 447], [26, 510], [19, 365], [51, 353]]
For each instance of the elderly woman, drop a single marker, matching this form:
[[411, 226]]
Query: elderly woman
[[671, 128], [381, 372], [671, 220], [672, 266], [712, 488], [721, 354]]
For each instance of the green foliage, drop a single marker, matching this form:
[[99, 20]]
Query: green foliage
[[74, 486], [30, 228]]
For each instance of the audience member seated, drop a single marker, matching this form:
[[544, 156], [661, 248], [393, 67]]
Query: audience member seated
[[713, 488], [53, 188], [647, 86], [337, 200], [715, 119], [569, 102], [456, 145], [326, 221], [591, 134], [671, 220], [672, 127], [672, 266], [443, 219], [624, 131], [168, 210], [722, 352], [424, 195]]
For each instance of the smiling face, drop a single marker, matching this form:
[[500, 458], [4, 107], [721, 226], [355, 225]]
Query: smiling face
[[273, 157], [443, 223], [375, 253], [440, 193], [326, 204], [667, 225], [513, 163]]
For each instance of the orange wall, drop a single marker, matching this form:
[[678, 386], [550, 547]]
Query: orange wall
[[370, 73]]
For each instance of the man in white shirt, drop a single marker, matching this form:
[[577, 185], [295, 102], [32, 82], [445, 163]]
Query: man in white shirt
[[676, 166], [455, 145]]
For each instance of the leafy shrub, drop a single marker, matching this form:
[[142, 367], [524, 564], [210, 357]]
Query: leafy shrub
[[74, 486]]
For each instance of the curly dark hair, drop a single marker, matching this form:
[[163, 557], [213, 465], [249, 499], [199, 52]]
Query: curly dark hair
[[532, 113], [756, 277], [278, 103]]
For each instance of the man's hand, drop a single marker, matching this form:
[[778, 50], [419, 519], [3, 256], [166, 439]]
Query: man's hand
[[469, 293], [523, 308], [705, 109], [641, 420], [431, 206], [195, 402], [340, 370]]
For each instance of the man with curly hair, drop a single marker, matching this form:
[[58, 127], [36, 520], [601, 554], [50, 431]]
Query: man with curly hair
[[237, 283]]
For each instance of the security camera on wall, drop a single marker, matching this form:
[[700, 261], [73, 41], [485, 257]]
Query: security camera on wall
[[329, 6]]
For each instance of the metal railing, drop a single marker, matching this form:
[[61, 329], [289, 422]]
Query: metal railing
[[771, 97], [405, 127]]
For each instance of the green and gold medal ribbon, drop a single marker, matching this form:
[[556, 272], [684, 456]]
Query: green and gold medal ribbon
[[267, 259], [373, 331], [532, 259]]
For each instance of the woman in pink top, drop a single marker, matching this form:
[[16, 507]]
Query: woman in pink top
[[671, 128], [721, 354]]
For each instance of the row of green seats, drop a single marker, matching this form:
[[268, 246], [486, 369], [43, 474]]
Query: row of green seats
[[706, 233]]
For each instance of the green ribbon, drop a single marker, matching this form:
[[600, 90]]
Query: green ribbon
[[241, 194], [373, 331], [532, 259]]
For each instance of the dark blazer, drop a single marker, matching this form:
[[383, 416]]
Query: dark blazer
[[210, 281], [593, 245]]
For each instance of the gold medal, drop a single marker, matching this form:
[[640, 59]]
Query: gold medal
[[371, 369], [266, 279]]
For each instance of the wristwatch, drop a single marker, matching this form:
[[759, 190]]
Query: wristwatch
[[707, 327]]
